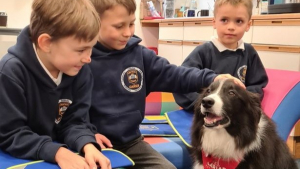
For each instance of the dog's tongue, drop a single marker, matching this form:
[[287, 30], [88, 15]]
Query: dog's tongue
[[211, 117]]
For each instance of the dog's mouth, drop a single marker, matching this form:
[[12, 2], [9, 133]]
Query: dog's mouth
[[212, 120]]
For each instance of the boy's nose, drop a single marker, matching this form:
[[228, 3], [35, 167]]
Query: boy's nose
[[86, 60], [231, 26], [87, 57], [127, 32]]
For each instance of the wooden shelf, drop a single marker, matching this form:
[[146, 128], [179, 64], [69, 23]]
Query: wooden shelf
[[150, 23], [9, 31], [277, 16], [155, 22]]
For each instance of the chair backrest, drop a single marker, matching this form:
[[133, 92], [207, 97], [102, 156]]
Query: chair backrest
[[282, 99], [157, 103]]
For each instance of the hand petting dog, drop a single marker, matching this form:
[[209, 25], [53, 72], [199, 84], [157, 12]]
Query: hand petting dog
[[228, 76]]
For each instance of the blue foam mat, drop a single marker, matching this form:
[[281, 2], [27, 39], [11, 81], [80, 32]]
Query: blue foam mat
[[157, 130], [181, 122], [117, 159], [176, 152]]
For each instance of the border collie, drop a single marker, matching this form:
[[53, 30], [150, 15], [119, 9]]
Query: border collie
[[230, 131]]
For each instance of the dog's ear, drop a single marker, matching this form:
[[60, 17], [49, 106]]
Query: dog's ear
[[255, 104], [198, 102], [254, 99]]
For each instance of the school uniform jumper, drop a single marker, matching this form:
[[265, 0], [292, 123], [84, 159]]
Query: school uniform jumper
[[123, 79], [35, 112], [242, 63]]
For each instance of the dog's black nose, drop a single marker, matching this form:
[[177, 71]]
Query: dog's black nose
[[207, 102]]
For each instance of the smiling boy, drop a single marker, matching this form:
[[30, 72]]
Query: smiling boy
[[124, 74], [46, 89]]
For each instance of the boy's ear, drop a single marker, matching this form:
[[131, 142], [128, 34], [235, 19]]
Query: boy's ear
[[44, 42], [214, 22], [248, 25]]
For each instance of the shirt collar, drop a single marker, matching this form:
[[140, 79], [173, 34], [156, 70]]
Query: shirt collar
[[222, 48], [57, 80]]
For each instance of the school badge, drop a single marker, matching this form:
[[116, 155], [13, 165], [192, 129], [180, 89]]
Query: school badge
[[132, 79], [242, 73], [63, 105]]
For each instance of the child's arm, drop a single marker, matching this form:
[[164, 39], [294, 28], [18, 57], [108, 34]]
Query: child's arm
[[162, 76], [16, 137], [75, 129], [187, 101], [103, 141], [66, 158], [93, 156], [256, 76]]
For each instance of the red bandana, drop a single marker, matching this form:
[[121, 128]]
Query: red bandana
[[210, 162]]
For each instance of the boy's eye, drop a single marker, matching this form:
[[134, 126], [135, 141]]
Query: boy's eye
[[80, 51], [223, 20], [239, 21], [118, 26]]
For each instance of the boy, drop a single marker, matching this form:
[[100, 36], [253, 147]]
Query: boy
[[45, 87], [227, 53], [124, 74]]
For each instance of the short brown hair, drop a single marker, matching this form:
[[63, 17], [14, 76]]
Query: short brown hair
[[64, 18], [103, 5], [247, 3]]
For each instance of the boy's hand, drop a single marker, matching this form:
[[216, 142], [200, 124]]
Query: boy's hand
[[102, 141], [93, 156], [66, 159], [228, 76]]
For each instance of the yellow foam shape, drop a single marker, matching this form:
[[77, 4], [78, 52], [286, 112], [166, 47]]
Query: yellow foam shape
[[155, 117]]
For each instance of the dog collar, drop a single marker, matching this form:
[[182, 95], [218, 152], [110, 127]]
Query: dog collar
[[210, 162]]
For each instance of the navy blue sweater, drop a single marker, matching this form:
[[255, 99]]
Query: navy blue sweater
[[242, 64], [123, 79], [34, 111]]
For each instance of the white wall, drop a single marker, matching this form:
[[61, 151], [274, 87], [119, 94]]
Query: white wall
[[18, 12], [149, 35], [18, 15]]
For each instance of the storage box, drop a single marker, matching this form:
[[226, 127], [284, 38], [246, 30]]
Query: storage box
[[3, 19], [284, 8]]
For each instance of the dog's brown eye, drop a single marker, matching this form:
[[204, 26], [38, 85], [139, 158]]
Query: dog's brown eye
[[231, 93], [208, 91]]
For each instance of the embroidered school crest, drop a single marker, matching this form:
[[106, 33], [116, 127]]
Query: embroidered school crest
[[132, 79], [63, 105], [242, 73]]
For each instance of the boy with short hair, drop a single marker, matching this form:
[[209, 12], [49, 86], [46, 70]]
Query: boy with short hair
[[46, 89], [124, 74], [227, 53]]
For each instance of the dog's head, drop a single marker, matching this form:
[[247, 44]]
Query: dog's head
[[224, 104]]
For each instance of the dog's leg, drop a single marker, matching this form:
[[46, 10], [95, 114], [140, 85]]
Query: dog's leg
[[198, 166]]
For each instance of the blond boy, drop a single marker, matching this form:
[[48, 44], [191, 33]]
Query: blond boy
[[45, 87], [227, 53]]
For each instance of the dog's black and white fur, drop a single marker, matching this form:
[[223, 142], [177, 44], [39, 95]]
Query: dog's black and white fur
[[230, 124]]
